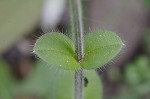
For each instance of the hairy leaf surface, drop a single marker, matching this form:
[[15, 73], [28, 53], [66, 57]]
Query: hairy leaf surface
[[100, 47], [56, 49]]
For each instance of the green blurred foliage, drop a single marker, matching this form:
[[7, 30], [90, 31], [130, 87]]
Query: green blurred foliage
[[136, 79], [38, 82], [6, 82], [55, 83], [146, 3], [147, 41], [138, 71], [17, 17], [47, 82]]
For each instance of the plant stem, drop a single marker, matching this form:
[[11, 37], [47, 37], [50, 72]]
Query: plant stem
[[77, 29], [79, 51], [78, 84]]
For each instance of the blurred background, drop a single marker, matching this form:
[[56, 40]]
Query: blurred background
[[23, 76]]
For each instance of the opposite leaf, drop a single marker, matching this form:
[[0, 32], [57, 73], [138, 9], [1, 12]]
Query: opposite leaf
[[100, 47], [56, 49]]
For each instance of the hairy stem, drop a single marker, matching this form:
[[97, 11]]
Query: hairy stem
[[78, 84], [77, 30], [79, 51]]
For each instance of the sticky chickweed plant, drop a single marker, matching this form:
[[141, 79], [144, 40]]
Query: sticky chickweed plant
[[81, 54]]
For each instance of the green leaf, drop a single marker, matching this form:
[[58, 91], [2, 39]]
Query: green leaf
[[56, 49], [39, 81], [94, 86], [17, 18], [100, 47], [5, 81], [64, 87]]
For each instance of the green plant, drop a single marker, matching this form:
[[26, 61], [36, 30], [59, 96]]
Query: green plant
[[58, 50], [81, 54], [89, 52]]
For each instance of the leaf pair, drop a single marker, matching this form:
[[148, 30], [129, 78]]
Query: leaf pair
[[99, 48]]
